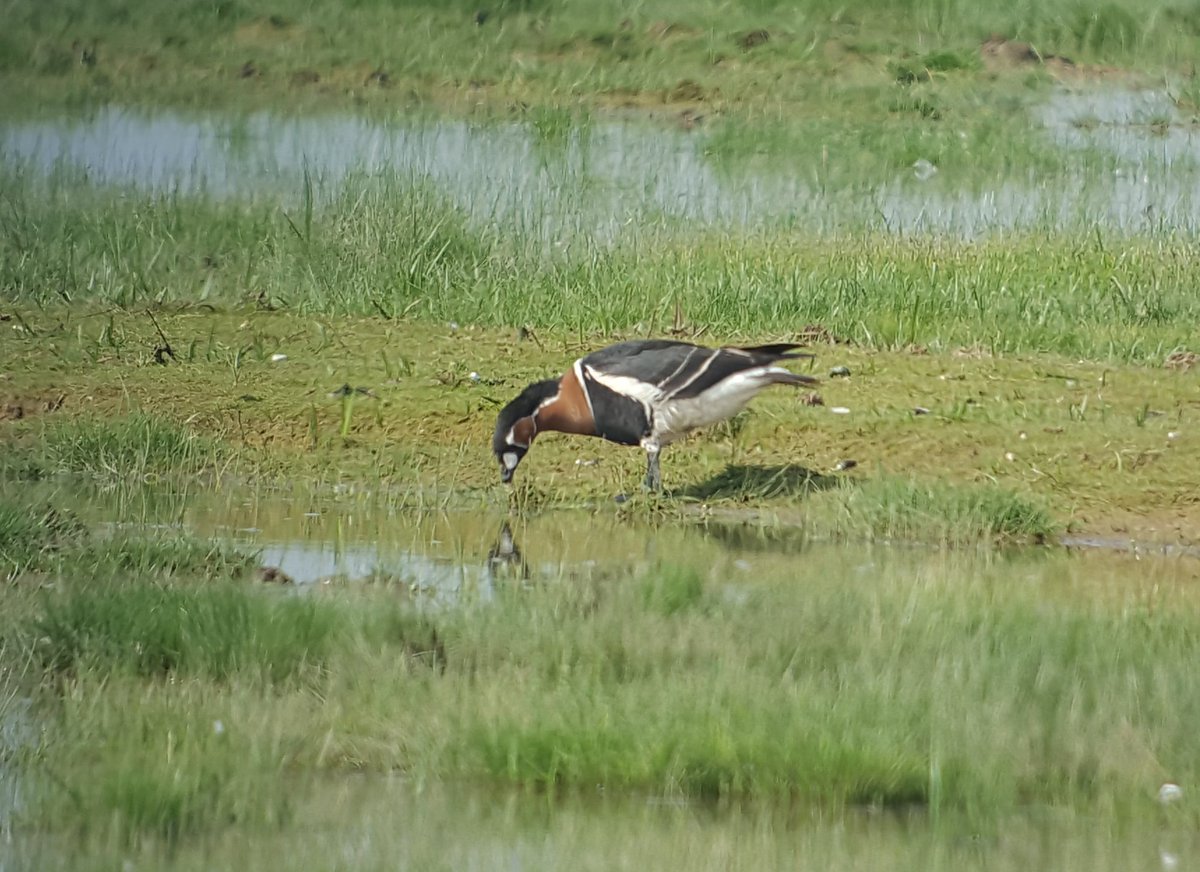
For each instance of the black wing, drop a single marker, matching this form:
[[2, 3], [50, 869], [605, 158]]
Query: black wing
[[778, 351], [653, 361], [682, 370]]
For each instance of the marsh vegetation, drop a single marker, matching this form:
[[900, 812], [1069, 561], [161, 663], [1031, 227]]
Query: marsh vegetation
[[268, 271]]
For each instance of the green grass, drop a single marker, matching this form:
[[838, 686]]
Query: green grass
[[395, 250], [135, 554], [842, 689], [972, 138], [175, 765], [44, 538], [932, 685], [885, 507], [31, 535]]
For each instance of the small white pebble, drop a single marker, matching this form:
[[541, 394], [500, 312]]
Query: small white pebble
[[1009, 456], [453, 325], [473, 376], [1070, 382], [277, 357], [1169, 793], [1168, 860], [839, 410], [1022, 435], [924, 170], [1173, 435], [218, 728]]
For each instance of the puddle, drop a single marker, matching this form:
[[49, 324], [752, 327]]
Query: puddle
[[326, 540], [316, 540], [1143, 129], [604, 180]]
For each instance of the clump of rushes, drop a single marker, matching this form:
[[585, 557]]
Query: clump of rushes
[[131, 556], [51, 541]]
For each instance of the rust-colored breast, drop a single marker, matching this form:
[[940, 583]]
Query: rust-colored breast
[[569, 411]]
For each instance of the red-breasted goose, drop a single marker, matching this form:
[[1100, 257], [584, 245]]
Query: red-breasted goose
[[647, 392]]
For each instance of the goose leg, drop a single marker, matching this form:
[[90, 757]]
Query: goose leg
[[653, 480]]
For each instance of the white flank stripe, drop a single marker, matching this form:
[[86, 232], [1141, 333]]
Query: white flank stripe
[[627, 386], [578, 367]]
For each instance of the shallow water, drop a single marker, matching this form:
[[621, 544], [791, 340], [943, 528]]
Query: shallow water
[[323, 538], [603, 180]]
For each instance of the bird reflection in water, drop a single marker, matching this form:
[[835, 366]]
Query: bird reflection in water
[[505, 559]]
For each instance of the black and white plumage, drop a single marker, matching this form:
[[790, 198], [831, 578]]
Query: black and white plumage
[[648, 392]]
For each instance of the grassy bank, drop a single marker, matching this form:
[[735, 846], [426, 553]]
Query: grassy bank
[[179, 698], [756, 58], [1024, 444]]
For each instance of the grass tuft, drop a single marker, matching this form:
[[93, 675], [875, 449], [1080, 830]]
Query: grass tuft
[[904, 509], [29, 536], [173, 764], [671, 589], [139, 445], [212, 632], [129, 555]]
